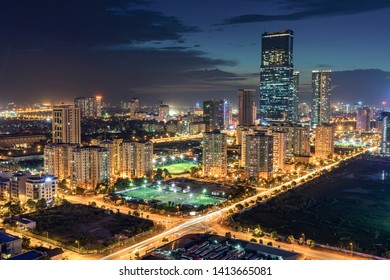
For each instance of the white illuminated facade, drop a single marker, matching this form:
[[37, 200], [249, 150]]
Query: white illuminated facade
[[66, 125], [38, 187], [214, 154], [324, 141]]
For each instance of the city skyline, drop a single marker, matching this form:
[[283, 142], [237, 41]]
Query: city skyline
[[196, 53]]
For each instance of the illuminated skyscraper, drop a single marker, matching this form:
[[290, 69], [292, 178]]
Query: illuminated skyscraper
[[278, 99], [213, 114], [66, 126], [385, 145], [90, 107], [321, 84], [214, 154], [246, 107]]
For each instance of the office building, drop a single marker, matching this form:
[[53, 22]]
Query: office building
[[324, 141], [246, 107], [321, 86], [259, 155], [277, 93], [213, 114], [66, 126], [227, 113], [214, 154], [363, 119], [385, 145]]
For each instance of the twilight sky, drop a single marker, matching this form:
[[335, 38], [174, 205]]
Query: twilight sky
[[186, 51]]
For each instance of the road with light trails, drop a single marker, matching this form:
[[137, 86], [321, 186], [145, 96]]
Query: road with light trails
[[207, 217]]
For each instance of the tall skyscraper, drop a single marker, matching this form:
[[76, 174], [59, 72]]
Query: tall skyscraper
[[324, 141], [58, 160], [66, 126], [246, 107], [295, 95], [279, 150], [213, 114], [385, 145], [98, 106], [227, 113], [363, 121], [259, 155], [277, 94], [214, 154], [321, 85], [136, 159]]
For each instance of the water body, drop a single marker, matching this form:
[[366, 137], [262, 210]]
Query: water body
[[350, 204]]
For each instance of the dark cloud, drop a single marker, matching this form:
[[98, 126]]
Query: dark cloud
[[302, 9], [70, 23], [64, 75]]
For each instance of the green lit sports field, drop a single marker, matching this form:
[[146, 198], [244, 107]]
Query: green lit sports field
[[177, 168], [177, 198]]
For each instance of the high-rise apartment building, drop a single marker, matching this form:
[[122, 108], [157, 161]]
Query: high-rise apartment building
[[301, 141], [136, 159], [66, 125], [114, 149], [214, 154], [295, 95], [277, 94], [385, 145], [321, 85], [90, 166], [259, 155], [246, 107], [363, 119], [90, 107], [279, 150], [324, 141], [58, 160]]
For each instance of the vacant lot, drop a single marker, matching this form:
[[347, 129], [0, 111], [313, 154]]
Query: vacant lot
[[92, 227], [351, 204]]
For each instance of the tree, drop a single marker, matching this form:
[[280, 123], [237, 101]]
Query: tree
[[26, 242], [122, 184], [228, 234], [290, 239], [269, 243], [162, 212], [274, 235], [258, 231], [30, 203], [310, 243], [41, 204], [254, 240]]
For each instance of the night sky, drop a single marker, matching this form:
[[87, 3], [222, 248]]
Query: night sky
[[186, 51]]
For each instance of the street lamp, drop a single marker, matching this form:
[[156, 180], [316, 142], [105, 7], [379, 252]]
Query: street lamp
[[351, 244], [78, 245]]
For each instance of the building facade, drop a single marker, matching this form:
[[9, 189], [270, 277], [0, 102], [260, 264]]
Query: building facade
[[259, 155], [66, 124], [246, 107], [363, 120], [321, 86], [45, 187], [324, 141], [277, 94], [214, 154], [385, 144]]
